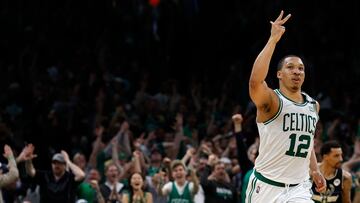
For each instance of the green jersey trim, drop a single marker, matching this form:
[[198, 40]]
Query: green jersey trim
[[278, 111], [294, 102], [253, 184], [271, 182]]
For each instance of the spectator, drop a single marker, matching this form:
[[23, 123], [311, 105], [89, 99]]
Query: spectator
[[87, 190], [112, 189], [180, 189], [136, 192], [217, 186], [57, 185]]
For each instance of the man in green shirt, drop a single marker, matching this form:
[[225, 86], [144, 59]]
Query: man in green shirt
[[180, 190]]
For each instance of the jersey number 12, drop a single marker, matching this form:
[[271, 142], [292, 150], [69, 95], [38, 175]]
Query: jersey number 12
[[302, 148]]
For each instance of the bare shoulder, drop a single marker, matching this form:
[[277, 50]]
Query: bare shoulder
[[262, 96], [317, 106]]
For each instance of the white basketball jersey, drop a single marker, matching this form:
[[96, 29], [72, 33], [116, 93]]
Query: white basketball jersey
[[286, 141]]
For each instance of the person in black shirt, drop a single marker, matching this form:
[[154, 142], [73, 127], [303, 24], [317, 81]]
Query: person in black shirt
[[217, 186], [57, 185], [338, 181]]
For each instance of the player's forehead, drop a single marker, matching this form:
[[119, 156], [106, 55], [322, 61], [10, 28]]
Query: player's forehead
[[293, 60], [336, 150]]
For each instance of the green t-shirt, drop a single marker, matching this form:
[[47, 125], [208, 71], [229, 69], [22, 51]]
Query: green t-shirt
[[85, 191], [152, 171], [175, 197]]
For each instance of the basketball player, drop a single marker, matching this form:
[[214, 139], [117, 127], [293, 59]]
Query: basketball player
[[338, 181], [286, 119]]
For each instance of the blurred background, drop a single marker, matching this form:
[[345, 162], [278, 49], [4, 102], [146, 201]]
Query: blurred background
[[68, 66]]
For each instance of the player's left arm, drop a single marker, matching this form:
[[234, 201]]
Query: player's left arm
[[346, 187], [316, 175], [313, 161]]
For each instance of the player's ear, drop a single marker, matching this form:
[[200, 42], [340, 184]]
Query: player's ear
[[278, 74]]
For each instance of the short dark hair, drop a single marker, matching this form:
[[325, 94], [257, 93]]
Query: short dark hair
[[327, 146], [281, 62]]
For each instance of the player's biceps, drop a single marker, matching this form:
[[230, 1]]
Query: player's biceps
[[261, 97]]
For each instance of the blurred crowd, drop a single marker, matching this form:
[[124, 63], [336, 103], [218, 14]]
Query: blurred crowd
[[116, 88]]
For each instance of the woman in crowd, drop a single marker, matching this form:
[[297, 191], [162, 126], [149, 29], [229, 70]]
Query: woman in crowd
[[136, 193]]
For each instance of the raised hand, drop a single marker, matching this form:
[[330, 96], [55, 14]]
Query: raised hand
[[94, 184], [212, 159], [66, 156], [8, 152], [167, 161], [277, 26], [190, 152], [124, 127], [27, 153], [237, 118], [137, 154], [204, 148]]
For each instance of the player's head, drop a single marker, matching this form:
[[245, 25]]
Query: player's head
[[331, 153], [291, 72]]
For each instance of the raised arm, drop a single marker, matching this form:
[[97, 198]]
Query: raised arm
[[136, 162], [27, 154], [115, 156], [264, 98], [13, 173], [243, 159], [96, 147], [79, 174], [95, 185], [195, 181]]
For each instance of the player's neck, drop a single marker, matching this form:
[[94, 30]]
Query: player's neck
[[327, 170], [293, 95]]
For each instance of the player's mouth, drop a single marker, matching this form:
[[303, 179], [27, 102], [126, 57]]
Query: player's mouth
[[296, 80]]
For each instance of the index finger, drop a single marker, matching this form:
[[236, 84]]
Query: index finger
[[280, 16]]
